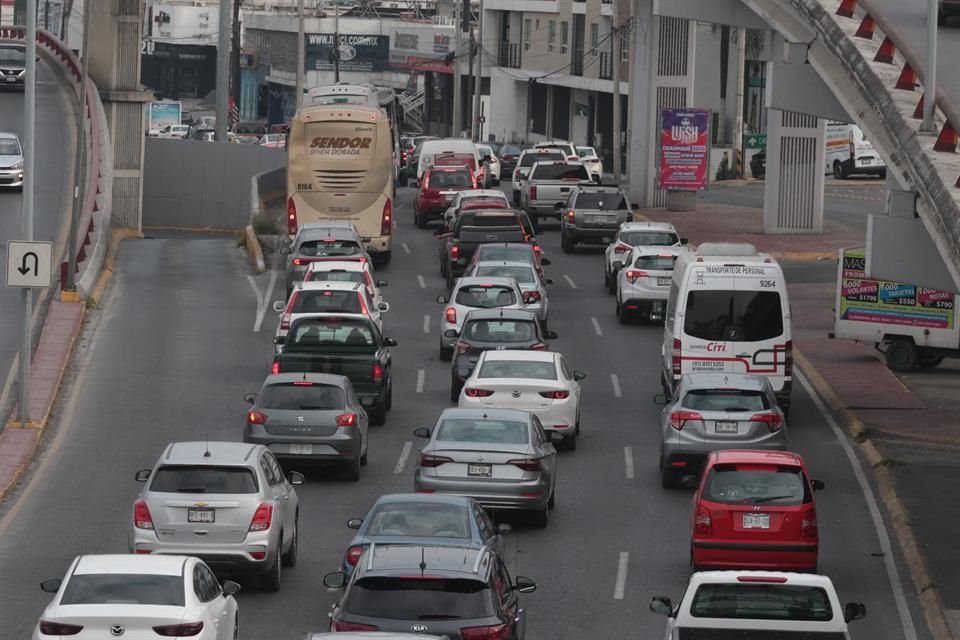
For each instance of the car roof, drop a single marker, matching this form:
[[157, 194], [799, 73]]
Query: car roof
[[755, 456], [521, 355], [723, 381], [130, 564], [783, 577], [475, 280], [435, 498], [453, 413], [6, 135], [220, 453], [408, 560], [647, 226], [318, 378], [336, 285], [500, 313]]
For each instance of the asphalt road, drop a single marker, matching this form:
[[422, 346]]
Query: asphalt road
[[53, 179], [174, 349]]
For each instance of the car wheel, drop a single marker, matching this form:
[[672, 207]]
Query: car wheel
[[606, 280], [270, 581], [450, 281], [541, 517], [363, 457], [385, 258], [388, 403], [351, 471], [418, 220], [565, 243], [446, 354], [516, 198], [839, 172], [290, 557], [612, 284], [570, 444], [378, 414], [455, 388], [553, 499], [902, 355], [624, 314], [544, 325], [576, 428]]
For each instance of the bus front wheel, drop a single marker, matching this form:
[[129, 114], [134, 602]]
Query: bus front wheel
[[383, 259]]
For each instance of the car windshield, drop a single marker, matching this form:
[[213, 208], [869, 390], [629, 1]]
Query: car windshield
[[523, 275], [601, 201], [483, 430], [560, 172], [518, 369], [124, 588], [9, 148], [442, 179], [649, 238], [500, 331], [742, 316], [329, 247], [413, 598], [301, 395], [326, 301], [484, 151], [586, 152], [337, 275], [780, 485], [655, 263], [203, 479], [420, 519], [761, 602], [335, 332], [529, 158], [509, 150], [485, 296], [725, 400], [12, 55]]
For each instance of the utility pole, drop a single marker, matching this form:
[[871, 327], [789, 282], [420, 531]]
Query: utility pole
[[457, 122], [301, 54], [235, 55], [930, 77], [470, 82], [738, 127], [29, 161], [478, 82], [617, 48], [223, 71], [79, 166], [336, 42]]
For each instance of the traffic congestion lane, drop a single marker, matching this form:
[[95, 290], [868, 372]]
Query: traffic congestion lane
[[175, 352], [51, 192]]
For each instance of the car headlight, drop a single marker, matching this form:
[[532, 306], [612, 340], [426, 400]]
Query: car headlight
[[22, 73], [17, 166]]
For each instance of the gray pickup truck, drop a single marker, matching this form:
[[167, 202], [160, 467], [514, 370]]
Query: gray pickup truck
[[548, 187]]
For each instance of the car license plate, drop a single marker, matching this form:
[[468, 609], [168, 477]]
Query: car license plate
[[11, 79], [866, 161], [301, 449], [663, 282], [201, 516], [481, 470], [607, 240], [726, 426], [756, 521]]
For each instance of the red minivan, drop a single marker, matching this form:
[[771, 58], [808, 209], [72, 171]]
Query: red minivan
[[754, 510], [437, 190]]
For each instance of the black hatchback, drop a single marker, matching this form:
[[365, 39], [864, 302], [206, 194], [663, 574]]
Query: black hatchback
[[487, 329], [463, 594]]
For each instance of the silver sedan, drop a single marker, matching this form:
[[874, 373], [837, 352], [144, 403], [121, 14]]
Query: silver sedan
[[502, 458], [533, 286]]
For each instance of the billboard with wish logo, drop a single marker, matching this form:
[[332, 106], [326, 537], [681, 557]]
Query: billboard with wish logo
[[684, 149]]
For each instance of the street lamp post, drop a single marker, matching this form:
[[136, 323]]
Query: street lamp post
[[930, 77]]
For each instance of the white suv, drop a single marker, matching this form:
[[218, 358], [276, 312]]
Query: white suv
[[635, 234], [643, 284]]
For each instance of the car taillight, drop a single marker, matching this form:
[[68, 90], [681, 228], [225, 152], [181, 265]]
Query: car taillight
[[291, 216], [182, 630], [788, 358], [478, 393], [285, 318], [702, 524], [527, 464], [347, 420], [492, 632], [676, 361], [533, 192], [426, 183], [772, 420], [255, 417], [571, 216], [556, 395], [532, 296], [539, 346], [386, 225], [537, 250], [808, 526], [340, 625], [679, 418], [632, 275], [141, 515], [621, 248], [59, 628], [300, 262], [454, 252], [262, 517], [275, 367], [353, 554], [462, 348], [451, 316], [427, 460], [377, 373]]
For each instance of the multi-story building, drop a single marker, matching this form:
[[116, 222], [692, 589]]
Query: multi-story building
[[180, 47]]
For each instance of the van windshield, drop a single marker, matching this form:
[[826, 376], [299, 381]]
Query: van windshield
[[736, 316]]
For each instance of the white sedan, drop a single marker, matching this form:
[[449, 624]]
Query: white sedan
[[139, 596], [537, 381]]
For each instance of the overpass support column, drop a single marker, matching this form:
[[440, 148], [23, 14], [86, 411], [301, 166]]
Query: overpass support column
[[793, 192], [664, 51], [116, 33]]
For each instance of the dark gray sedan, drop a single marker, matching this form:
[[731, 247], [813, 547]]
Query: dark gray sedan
[[309, 416]]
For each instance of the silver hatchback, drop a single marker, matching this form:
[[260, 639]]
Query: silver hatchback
[[11, 161], [532, 284], [227, 503], [715, 411]]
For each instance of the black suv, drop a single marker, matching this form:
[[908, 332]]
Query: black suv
[[463, 594], [486, 329]]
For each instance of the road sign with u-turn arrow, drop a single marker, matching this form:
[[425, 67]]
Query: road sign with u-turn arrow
[[29, 264]]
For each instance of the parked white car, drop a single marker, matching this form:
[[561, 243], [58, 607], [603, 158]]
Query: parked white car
[[635, 234]]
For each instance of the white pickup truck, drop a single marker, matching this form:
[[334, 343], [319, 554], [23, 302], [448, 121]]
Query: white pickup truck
[[548, 186]]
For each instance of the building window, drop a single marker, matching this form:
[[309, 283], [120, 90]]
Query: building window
[[526, 34], [552, 36], [564, 36], [594, 37], [624, 45]]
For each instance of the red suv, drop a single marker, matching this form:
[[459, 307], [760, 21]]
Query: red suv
[[754, 510], [437, 190]]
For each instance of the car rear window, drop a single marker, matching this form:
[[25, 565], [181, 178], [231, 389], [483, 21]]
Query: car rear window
[[500, 331], [529, 159], [649, 238], [492, 252], [326, 301], [717, 633], [780, 485], [489, 220], [419, 599], [203, 479], [509, 150], [325, 248], [523, 275], [441, 179], [334, 332], [337, 275], [726, 400], [124, 588], [420, 519], [601, 201], [485, 296], [561, 172], [655, 263], [761, 602], [301, 395], [517, 369], [740, 316], [483, 431]]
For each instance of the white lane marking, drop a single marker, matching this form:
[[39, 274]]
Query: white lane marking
[[621, 576], [628, 461], [421, 378], [573, 285], [615, 381], [423, 283], [893, 574], [426, 324], [261, 309], [404, 454], [596, 326], [266, 300], [406, 249]]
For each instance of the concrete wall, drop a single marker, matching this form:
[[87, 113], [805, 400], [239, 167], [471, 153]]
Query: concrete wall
[[189, 183], [508, 112]]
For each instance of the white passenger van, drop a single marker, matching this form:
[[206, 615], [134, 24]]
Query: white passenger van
[[849, 152], [448, 152], [728, 311]]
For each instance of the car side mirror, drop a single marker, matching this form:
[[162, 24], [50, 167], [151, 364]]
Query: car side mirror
[[230, 588], [52, 585], [451, 333], [384, 306], [684, 241], [389, 342], [143, 475], [661, 605], [551, 335], [854, 611], [284, 250], [579, 375], [335, 580], [421, 432], [545, 261], [296, 478], [818, 485], [689, 482], [250, 398], [280, 340], [442, 300], [354, 523], [660, 398], [382, 283], [524, 584], [617, 265], [504, 529], [279, 306], [548, 281], [555, 437]]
